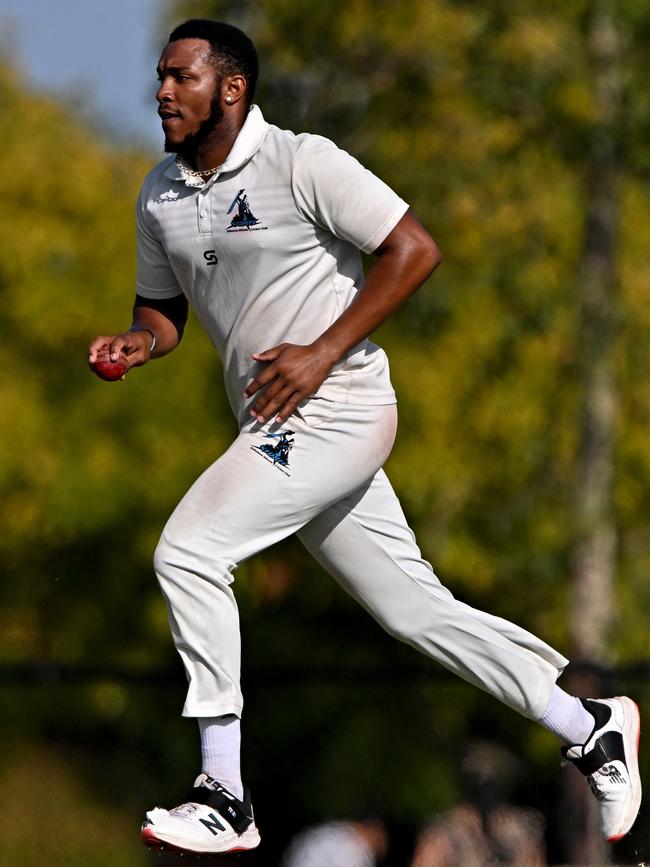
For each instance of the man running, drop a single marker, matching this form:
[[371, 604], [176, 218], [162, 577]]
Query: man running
[[283, 299]]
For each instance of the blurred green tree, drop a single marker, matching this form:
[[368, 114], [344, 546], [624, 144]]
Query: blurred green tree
[[88, 470]]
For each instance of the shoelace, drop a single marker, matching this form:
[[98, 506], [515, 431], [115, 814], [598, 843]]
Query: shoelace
[[183, 810]]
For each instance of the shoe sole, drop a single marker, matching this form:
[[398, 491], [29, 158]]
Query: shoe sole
[[148, 837], [631, 738]]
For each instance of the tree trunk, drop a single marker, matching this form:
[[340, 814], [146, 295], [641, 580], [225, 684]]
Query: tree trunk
[[594, 551]]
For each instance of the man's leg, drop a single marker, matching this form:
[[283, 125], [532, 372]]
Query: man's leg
[[366, 544], [260, 491], [221, 749]]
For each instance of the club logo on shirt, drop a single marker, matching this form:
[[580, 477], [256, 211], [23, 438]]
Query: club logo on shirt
[[244, 220], [277, 453]]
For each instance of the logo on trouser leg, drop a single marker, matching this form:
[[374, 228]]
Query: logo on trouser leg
[[277, 453]]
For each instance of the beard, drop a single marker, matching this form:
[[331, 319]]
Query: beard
[[194, 140]]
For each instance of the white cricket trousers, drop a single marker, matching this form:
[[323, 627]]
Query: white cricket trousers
[[324, 481]]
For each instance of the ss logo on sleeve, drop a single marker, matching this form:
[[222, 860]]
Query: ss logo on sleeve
[[210, 257]]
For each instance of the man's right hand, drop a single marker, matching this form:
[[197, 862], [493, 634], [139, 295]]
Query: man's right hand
[[133, 346], [165, 319]]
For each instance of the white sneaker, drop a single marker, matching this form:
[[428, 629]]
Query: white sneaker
[[212, 821], [609, 759]]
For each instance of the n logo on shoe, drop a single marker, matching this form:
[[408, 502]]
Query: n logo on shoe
[[213, 824], [614, 774]]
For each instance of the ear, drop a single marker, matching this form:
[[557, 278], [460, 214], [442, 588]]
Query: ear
[[233, 89]]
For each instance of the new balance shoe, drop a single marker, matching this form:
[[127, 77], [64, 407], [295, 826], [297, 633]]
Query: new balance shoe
[[609, 759], [212, 821]]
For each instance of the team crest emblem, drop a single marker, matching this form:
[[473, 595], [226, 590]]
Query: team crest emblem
[[244, 220], [277, 452]]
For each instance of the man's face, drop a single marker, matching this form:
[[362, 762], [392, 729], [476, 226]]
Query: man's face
[[188, 96]]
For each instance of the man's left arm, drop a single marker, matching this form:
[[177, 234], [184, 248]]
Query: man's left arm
[[404, 260]]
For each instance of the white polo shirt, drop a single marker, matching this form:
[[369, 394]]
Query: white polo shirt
[[267, 252]]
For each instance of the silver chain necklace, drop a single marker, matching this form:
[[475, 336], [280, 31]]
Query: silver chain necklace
[[204, 174]]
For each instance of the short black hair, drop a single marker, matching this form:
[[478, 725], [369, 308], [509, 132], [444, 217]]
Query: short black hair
[[232, 51]]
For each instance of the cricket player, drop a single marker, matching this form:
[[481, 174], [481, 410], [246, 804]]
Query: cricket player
[[260, 231]]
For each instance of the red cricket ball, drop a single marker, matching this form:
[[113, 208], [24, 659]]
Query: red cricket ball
[[108, 370]]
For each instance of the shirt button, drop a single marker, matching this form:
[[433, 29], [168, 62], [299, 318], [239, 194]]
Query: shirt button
[[203, 215]]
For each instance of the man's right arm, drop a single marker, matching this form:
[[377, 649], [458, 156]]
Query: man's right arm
[[157, 328]]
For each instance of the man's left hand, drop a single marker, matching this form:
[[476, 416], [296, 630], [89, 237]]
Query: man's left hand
[[293, 374]]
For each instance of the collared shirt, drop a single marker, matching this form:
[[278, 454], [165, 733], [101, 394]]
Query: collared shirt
[[267, 252]]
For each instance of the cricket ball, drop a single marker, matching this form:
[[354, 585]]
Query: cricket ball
[[108, 370]]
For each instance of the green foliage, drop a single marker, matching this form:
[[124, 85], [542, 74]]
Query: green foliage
[[61, 825], [89, 470]]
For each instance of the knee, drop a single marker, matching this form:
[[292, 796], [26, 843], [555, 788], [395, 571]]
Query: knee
[[162, 556], [165, 557], [180, 561], [400, 633], [396, 626]]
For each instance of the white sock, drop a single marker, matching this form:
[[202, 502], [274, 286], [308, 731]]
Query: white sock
[[567, 718], [220, 748]]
